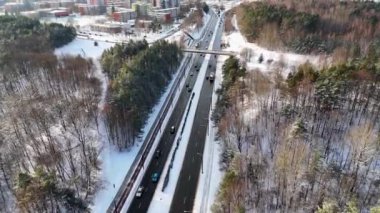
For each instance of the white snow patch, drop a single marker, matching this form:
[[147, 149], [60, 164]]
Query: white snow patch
[[84, 47]]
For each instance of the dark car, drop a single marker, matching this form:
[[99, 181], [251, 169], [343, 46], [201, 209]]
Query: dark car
[[155, 177], [158, 153], [187, 84]]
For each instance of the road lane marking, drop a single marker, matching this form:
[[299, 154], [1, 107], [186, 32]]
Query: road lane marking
[[140, 205], [189, 177], [184, 200]]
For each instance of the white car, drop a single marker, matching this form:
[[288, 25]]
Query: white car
[[140, 191]]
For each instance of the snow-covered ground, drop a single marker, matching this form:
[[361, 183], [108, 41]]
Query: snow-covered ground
[[85, 48], [236, 42], [76, 20], [82, 24]]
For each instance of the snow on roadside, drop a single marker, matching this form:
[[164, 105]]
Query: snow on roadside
[[209, 181], [161, 201]]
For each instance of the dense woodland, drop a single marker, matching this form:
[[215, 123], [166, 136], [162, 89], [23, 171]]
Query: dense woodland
[[48, 113], [342, 28], [307, 142], [138, 76]]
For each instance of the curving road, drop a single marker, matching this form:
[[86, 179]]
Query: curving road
[[156, 165]]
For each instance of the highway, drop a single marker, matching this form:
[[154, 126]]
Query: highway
[[165, 144], [183, 199]]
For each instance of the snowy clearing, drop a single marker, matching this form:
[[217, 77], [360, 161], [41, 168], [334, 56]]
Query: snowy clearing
[[272, 60]]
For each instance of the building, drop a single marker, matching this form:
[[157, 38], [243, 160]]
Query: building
[[144, 23], [141, 8], [163, 17], [174, 12], [97, 2], [107, 28], [59, 13], [13, 7], [123, 15], [85, 9]]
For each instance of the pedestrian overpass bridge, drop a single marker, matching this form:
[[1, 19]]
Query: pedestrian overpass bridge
[[214, 52]]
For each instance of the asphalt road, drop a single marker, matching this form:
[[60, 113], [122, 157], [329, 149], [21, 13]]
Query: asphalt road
[[165, 144], [183, 199]]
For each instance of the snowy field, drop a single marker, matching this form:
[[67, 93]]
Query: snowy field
[[85, 48]]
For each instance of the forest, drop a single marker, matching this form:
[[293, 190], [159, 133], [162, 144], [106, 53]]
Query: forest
[[307, 141], [334, 27], [300, 144], [48, 113], [138, 74]]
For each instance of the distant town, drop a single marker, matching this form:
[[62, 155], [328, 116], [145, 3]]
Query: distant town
[[120, 15]]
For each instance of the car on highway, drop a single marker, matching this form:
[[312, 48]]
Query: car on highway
[[187, 84], [158, 153], [155, 177], [189, 89], [191, 74], [172, 129], [139, 192], [211, 77]]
